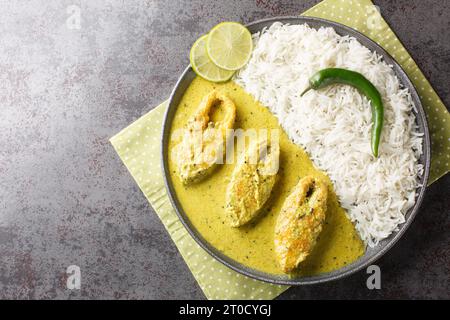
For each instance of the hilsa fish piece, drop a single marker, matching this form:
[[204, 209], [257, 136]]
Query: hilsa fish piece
[[252, 182], [202, 145], [300, 222]]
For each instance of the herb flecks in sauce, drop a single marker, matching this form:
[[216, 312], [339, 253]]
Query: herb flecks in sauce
[[339, 243]]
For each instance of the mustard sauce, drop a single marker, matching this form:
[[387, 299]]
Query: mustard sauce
[[252, 245]]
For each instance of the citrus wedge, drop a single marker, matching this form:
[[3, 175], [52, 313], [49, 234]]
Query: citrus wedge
[[202, 64], [229, 45]]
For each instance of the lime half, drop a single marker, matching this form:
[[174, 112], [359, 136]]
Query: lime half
[[229, 45], [202, 64]]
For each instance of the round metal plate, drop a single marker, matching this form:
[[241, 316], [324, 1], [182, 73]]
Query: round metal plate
[[371, 254]]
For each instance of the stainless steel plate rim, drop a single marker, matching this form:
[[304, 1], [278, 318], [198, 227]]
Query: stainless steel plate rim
[[371, 254]]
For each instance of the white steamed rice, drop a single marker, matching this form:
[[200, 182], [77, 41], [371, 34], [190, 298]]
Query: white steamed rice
[[333, 124]]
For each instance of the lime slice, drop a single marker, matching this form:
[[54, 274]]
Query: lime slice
[[229, 45], [202, 64]]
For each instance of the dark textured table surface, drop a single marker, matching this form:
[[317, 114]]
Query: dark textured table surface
[[65, 197]]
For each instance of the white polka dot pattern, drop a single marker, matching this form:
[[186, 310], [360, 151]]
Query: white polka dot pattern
[[142, 158], [138, 146]]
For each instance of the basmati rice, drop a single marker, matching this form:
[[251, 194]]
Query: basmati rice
[[333, 124]]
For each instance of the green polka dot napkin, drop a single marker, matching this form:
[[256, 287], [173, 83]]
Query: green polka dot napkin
[[138, 146]]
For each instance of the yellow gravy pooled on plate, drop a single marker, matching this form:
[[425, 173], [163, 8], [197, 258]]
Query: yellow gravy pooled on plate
[[253, 244]]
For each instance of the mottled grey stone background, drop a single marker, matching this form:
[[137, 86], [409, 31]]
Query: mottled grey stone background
[[66, 198]]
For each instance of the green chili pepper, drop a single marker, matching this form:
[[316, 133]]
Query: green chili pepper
[[329, 76]]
